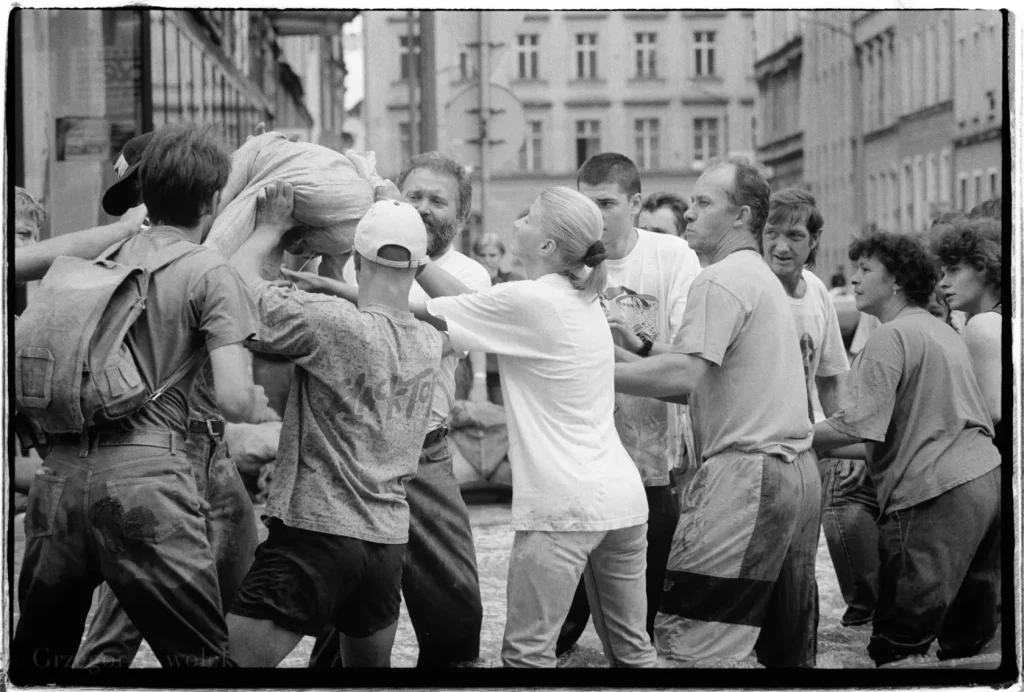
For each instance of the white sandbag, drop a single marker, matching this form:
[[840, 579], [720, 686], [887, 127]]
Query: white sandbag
[[332, 192]]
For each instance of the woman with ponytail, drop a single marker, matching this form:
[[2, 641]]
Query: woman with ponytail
[[578, 505]]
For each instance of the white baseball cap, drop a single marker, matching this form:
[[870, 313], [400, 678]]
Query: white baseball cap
[[389, 222]]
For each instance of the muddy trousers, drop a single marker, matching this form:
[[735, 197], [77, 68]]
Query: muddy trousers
[[112, 639], [121, 508], [439, 576]]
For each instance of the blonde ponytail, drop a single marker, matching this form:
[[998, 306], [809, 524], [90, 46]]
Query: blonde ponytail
[[574, 223]]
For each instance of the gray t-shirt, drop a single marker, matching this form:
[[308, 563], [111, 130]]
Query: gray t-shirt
[[913, 396], [197, 302], [356, 414], [753, 398]]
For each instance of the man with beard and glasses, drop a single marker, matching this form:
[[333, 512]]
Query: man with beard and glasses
[[439, 575]]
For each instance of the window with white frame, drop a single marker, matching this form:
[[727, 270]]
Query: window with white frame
[[977, 189], [530, 153], [920, 209], [586, 56], [467, 66], [907, 222], [647, 131], [528, 55], [705, 139], [894, 197], [646, 54], [588, 140], [963, 190], [931, 181], [945, 171], [704, 53], [872, 199], [410, 65], [993, 183]]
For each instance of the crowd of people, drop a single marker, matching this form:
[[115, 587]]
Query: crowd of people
[[683, 421]]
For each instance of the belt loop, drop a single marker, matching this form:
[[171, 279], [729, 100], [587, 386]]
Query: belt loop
[[209, 429], [83, 444]]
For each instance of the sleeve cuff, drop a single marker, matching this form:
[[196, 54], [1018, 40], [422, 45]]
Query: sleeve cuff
[[435, 306], [854, 432]]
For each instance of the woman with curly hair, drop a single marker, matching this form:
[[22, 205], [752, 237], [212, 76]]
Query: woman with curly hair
[[971, 254], [914, 401]]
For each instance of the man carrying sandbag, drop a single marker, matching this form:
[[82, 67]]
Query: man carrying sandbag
[[117, 502]]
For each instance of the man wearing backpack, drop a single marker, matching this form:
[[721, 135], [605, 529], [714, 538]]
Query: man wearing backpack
[[117, 502]]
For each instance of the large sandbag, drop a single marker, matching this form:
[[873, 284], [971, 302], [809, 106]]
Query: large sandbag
[[332, 192]]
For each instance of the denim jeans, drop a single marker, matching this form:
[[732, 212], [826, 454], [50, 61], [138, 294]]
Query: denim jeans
[[439, 576], [849, 520], [662, 517], [112, 639], [940, 574], [543, 571], [128, 514]]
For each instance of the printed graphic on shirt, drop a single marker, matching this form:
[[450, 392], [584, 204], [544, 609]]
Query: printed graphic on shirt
[[807, 351], [641, 311], [395, 395]]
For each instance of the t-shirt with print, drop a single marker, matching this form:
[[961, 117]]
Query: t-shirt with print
[[356, 415], [753, 398], [821, 341], [661, 266], [556, 360], [913, 396], [196, 302], [473, 275]]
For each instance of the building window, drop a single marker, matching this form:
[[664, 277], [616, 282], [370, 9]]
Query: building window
[[931, 182], [704, 53], [646, 55], [993, 184], [945, 170], [963, 192], [931, 72], [529, 58], [977, 189], [586, 56], [588, 140], [410, 57], [908, 197], [404, 142], [647, 143], [705, 139], [467, 70], [894, 196], [530, 157], [872, 200]]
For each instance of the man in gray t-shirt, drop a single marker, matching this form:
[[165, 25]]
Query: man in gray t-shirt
[[353, 427]]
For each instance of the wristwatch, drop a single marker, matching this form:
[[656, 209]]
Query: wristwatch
[[645, 350]]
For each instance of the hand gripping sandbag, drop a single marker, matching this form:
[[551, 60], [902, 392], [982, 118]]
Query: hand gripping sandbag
[[72, 367], [332, 192]]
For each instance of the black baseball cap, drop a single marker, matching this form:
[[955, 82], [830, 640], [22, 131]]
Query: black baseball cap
[[123, 195]]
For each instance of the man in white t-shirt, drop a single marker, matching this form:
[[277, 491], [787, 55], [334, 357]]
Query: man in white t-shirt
[[440, 584], [789, 244], [661, 267], [743, 554]]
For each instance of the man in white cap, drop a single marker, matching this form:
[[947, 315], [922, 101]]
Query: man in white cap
[[355, 421]]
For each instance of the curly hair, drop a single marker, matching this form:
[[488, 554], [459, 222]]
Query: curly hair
[[442, 164], [976, 242], [989, 209], [903, 256]]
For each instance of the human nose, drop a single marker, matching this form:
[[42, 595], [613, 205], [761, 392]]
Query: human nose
[[689, 216]]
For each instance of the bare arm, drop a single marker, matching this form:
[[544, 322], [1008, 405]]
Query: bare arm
[[232, 382], [831, 392], [436, 282], [666, 375], [33, 261], [827, 437], [983, 336], [261, 253]]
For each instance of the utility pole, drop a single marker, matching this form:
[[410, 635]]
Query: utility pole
[[428, 80], [414, 70], [485, 113]]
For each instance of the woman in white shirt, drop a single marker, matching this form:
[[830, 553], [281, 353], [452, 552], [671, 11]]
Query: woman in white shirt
[[578, 505]]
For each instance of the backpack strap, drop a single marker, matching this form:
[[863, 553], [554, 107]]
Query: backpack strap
[[178, 374]]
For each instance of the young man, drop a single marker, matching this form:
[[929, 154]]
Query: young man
[[789, 244], [118, 503], [354, 425], [662, 266], [439, 578], [743, 553], [663, 212], [112, 639]]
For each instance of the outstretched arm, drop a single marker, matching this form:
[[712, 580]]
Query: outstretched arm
[[260, 254], [668, 376], [33, 261]]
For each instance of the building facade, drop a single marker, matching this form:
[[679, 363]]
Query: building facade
[[779, 134], [978, 106], [84, 82], [669, 89]]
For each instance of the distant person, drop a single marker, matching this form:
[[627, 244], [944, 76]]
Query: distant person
[[917, 405], [663, 212], [489, 250], [838, 279], [29, 217]]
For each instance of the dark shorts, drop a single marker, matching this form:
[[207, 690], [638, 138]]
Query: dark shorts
[[304, 580]]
